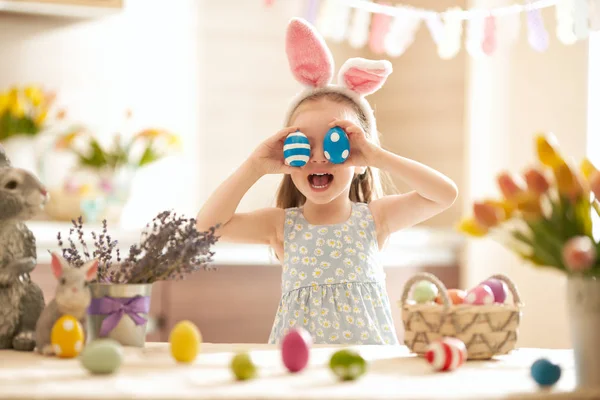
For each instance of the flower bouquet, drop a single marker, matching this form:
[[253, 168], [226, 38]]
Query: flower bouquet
[[170, 249], [25, 113], [546, 216], [102, 175]]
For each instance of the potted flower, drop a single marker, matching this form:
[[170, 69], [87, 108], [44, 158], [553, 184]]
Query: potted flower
[[102, 175], [24, 116], [170, 248], [547, 216]]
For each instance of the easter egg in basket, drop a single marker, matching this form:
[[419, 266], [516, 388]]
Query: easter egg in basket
[[296, 149], [336, 145], [480, 295], [67, 337], [498, 288], [456, 297], [446, 354]]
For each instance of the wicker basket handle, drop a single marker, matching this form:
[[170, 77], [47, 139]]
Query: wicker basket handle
[[431, 278], [511, 286]]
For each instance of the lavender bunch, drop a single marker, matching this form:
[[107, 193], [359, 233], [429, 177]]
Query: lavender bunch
[[170, 248]]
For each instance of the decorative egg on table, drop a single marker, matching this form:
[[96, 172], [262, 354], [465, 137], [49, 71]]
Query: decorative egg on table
[[499, 289], [545, 372], [296, 149], [185, 340], [102, 356], [67, 337], [336, 145], [456, 296], [347, 364], [295, 349], [480, 295], [243, 367], [424, 291], [446, 354]]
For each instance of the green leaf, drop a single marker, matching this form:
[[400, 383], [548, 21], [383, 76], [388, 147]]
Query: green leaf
[[149, 156]]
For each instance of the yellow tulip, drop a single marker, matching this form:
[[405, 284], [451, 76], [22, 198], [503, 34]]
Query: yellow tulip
[[536, 181], [174, 141], [39, 120], [15, 105], [567, 182], [149, 133], [470, 227], [547, 150], [66, 140], [587, 168], [3, 103], [529, 204], [34, 95]]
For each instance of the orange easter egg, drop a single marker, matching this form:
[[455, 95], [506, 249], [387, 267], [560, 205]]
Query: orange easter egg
[[67, 337], [456, 296]]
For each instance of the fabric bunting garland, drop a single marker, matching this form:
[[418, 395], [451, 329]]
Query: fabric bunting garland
[[389, 27]]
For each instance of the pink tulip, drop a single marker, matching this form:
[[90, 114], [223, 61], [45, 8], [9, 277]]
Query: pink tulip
[[579, 254], [487, 215], [508, 186], [595, 183], [536, 181]]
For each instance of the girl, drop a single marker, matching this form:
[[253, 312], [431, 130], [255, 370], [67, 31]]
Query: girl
[[331, 220]]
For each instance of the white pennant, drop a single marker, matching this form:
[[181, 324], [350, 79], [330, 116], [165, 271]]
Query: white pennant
[[564, 21], [595, 15], [474, 39], [436, 27], [450, 42], [508, 29], [402, 33], [359, 29], [324, 23], [339, 21], [580, 19]]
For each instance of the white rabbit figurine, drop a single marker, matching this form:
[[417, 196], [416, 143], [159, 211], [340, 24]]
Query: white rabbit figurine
[[72, 297]]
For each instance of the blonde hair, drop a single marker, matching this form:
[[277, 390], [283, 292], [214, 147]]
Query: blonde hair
[[364, 188]]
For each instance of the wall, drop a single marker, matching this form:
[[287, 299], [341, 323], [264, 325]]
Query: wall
[[146, 61], [511, 96]]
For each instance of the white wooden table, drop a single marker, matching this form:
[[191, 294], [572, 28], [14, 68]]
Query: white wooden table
[[393, 373]]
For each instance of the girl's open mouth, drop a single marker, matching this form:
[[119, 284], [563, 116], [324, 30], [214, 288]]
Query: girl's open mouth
[[320, 181]]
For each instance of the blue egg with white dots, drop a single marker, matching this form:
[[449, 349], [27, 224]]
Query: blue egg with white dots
[[296, 149], [545, 373], [336, 146]]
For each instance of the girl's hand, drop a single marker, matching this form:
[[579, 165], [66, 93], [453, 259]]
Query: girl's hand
[[268, 156], [362, 151]]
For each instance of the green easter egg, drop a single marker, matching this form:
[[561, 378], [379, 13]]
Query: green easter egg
[[347, 364], [102, 356], [242, 367], [424, 291]]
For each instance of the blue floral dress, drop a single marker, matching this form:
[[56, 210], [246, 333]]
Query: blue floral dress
[[333, 284]]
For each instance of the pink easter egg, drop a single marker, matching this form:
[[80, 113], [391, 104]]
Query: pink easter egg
[[480, 295], [499, 289], [295, 349], [446, 354]]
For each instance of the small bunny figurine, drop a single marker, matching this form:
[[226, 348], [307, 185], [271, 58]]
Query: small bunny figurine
[[22, 196], [72, 297]]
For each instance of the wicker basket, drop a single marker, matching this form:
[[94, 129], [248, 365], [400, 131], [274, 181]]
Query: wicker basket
[[486, 330]]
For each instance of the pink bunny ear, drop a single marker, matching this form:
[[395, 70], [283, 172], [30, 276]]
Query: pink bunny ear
[[309, 57], [364, 76], [91, 268], [57, 265]]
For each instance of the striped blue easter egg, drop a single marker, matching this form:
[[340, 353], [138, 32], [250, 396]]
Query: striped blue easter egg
[[296, 149], [336, 145]]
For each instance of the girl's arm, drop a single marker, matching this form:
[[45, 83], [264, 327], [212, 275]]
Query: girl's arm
[[432, 192], [261, 226]]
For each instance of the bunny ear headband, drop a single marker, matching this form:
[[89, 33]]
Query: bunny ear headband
[[312, 65]]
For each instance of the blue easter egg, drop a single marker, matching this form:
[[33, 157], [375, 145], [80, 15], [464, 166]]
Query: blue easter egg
[[545, 373], [296, 149], [336, 145]]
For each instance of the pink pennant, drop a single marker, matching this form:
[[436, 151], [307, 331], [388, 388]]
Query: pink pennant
[[379, 29], [489, 35]]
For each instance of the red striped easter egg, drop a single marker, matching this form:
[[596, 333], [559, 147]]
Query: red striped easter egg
[[446, 354]]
